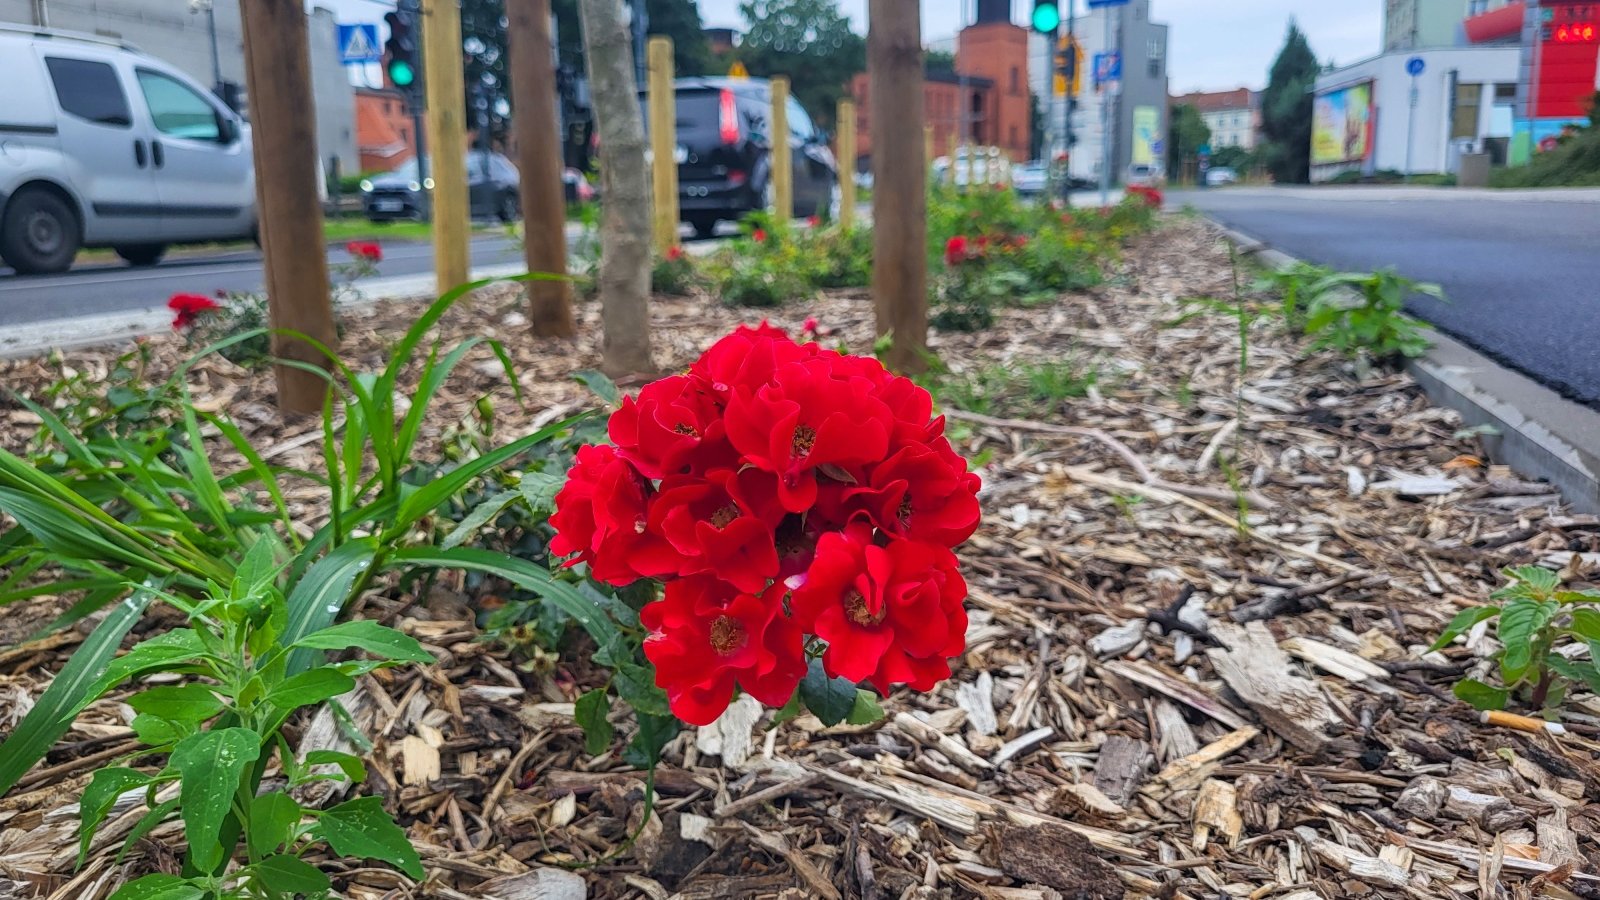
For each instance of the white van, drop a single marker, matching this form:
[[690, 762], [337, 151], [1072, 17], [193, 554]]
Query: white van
[[104, 146]]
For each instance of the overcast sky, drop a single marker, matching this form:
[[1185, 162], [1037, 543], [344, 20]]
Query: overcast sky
[[1213, 44]]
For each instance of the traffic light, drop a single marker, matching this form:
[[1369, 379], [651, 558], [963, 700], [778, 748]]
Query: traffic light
[[1068, 66], [1046, 16], [403, 66]]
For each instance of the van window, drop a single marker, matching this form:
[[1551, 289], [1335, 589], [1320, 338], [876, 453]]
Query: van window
[[89, 90], [177, 109]]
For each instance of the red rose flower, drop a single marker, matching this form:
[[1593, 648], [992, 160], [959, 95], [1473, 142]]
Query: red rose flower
[[674, 253], [955, 250], [923, 492], [813, 221], [602, 516], [672, 421], [365, 250], [810, 326], [705, 639], [187, 308], [804, 420], [890, 614], [721, 525], [746, 359], [759, 235]]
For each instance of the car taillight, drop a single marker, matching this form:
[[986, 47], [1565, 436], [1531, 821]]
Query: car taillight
[[729, 119], [737, 176]]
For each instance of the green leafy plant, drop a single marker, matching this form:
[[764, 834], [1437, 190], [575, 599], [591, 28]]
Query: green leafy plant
[[1541, 629], [673, 273], [223, 723], [1356, 313]]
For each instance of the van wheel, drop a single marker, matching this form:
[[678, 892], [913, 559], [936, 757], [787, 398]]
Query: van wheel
[[141, 254], [40, 233], [705, 227]]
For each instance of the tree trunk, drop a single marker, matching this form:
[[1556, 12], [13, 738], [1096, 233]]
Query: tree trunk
[[624, 190], [900, 203], [544, 235]]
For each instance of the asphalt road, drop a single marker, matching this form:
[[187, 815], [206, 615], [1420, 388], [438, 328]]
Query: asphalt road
[[1519, 269], [116, 287]]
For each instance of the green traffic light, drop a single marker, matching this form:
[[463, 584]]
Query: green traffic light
[[401, 73], [1046, 17]]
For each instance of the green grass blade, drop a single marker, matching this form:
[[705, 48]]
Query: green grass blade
[[55, 709], [265, 474]]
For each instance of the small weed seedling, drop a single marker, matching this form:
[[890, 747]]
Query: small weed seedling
[[1541, 629]]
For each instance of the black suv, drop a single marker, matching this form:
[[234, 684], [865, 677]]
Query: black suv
[[492, 184], [723, 155]]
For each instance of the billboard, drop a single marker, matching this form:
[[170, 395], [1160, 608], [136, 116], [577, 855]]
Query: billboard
[[1146, 134], [1341, 125]]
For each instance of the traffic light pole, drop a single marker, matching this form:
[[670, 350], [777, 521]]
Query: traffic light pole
[[1073, 77]]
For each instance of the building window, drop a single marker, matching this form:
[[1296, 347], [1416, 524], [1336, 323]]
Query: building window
[[1015, 81], [1477, 7], [1464, 117]]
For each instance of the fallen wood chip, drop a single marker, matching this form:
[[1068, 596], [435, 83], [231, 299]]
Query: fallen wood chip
[[1334, 661], [1014, 748], [541, 884], [1423, 798], [1216, 809], [1492, 814], [1054, 857], [1358, 864], [1190, 695], [944, 810], [953, 749], [1259, 672], [802, 865], [1121, 768], [1189, 772]]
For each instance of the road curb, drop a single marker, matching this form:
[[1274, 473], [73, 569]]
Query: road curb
[[1540, 433]]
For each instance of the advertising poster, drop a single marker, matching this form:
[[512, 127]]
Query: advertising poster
[[1146, 134], [1341, 126]]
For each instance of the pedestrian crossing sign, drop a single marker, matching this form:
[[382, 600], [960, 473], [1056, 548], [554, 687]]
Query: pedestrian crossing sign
[[359, 44]]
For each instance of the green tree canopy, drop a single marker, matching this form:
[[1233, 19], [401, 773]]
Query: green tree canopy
[[808, 40], [1286, 109], [1185, 136]]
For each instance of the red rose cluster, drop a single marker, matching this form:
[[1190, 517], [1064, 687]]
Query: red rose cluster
[[367, 251], [779, 490], [186, 308], [1150, 195]]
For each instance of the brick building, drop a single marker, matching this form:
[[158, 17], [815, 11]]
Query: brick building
[[383, 129]]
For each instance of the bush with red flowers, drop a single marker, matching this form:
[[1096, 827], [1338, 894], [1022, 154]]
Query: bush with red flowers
[[187, 309], [368, 251], [801, 507], [673, 273], [1150, 195]]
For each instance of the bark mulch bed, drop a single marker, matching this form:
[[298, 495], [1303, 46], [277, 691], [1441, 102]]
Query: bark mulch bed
[[1154, 701]]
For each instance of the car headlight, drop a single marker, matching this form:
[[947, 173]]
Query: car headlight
[[414, 186], [366, 186], [427, 183]]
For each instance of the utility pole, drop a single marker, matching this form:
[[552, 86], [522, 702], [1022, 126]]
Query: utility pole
[[277, 53], [1108, 95], [1074, 78], [442, 78], [900, 201], [782, 154], [663, 102], [544, 222]]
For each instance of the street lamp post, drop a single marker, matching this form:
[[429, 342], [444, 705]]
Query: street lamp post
[[209, 7]]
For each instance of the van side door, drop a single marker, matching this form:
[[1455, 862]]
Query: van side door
[[105, 148], [204, 176]]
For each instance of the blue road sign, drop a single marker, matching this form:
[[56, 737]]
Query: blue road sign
[[359, 44], [1158, 146], [1414, 66], [1093, 4], [1107, 67]]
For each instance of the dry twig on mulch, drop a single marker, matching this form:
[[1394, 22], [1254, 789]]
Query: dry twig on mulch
[[1167, 691]]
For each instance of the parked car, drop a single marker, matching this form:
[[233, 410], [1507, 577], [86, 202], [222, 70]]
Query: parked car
[[492, 184], [724, 153], [577, 187], [1030, 179], [1221, 175], [953, 169], [1144, 175], [105, 146]]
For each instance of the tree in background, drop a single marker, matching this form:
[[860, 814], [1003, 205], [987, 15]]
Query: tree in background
[[624, 280], [680, 20], [939, 62], [1185, 136], [808, 40], [1286, 109]]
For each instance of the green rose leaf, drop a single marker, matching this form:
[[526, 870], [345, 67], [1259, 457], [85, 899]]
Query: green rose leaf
[[636, 685], [211, 764], [644, 751], [361, 828], [591, 713], [829, 699], [310, 687], [866, 709], [379, 640]]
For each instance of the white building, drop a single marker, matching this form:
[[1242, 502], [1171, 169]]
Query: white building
[[1363, 114]]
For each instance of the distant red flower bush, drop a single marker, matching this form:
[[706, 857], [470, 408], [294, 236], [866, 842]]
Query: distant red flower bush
[[779, 490], [956, 251], [759, 235], [1150, 195], [187, 308], [368, 251], [674, 253]]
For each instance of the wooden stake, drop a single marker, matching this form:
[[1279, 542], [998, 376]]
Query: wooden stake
[[278, 75], [782, 155], [544, 222], [900, 203], [847, 163], [663, 144], [447, 139]]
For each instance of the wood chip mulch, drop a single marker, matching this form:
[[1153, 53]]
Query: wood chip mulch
[[1154, 700]]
